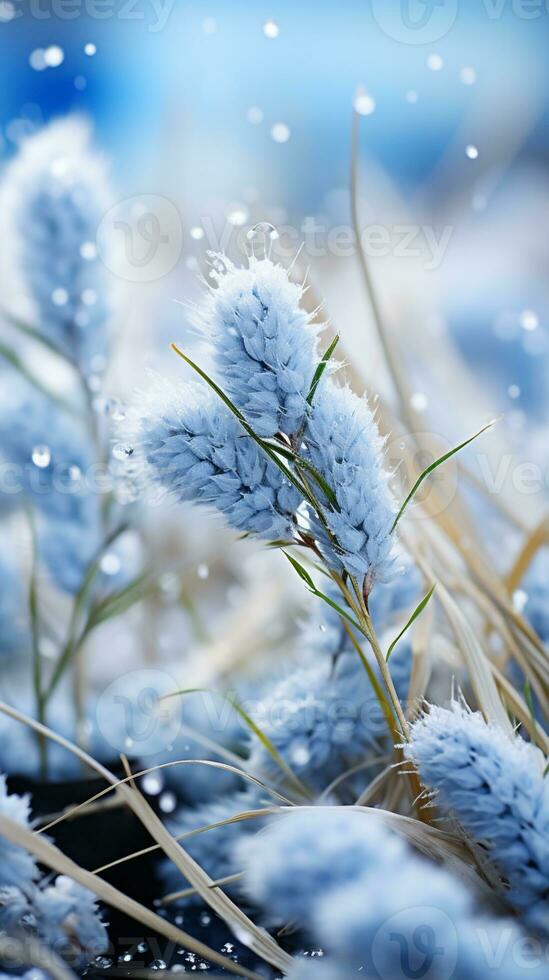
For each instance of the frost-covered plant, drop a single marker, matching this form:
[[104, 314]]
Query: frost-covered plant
[[496, 787], [54, 196], [48, 451], [374, 905], [196, 450], [326, 718], [62, 914], [344, 444], [17, 867], [68, 920], [264, 343]]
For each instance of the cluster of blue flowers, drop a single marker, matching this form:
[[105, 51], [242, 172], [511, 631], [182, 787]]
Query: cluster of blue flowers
[[325, 723], [62, 914], [54, 196], [497, 789], [376, 908], [265, 353]]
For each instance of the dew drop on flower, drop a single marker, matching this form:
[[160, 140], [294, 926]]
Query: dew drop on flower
[[529, 320], [196, 233], [471, 151], [54, 56], [110, 564], [468, 75], [41, 456], [122, 452], [59, 296], [435, 62], [203, 571], [255, 115], [271, 29], [280, 132], [263, 229], [363, 103], [90, 49], [115, 409]]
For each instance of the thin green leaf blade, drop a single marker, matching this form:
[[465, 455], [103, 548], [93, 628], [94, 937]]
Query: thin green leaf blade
[[437, 463], [321, 367], [302, 572], [417, 611]]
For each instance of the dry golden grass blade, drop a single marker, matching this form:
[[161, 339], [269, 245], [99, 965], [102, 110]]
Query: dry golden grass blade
[[535, 540], [53, 858], [187, 892], [378, 761], [378, 783], [31, 952], [245, 815], [258, 940], [519, 708]]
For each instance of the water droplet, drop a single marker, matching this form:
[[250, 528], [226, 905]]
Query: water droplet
[[102, 962], [419, 401], [271, 29], [255, 115], [322, 628], [75, 473], [205, 918], [196, 233], [115, 409], [263, 231], [280, 132], [529, 320], [122, 452], [142, 947], [153, 783], [411, 96], [363, 103], [203, 571], [167, 802], [110, 564], [59, 296], [90, 49], [471, 151], [520, 598], [227, 948], [468, 75], [435, 62], [300, 755], [158, 965], [88, 251], [54, 56], [238, 216], [41, 456]]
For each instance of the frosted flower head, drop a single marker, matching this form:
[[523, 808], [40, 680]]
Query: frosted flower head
[[306, 854], [322, 720], [17, 867], [42, 446], [53, 199], [68, 920], [343, 443], [196, 450], [213, 850], [264, 343], [496, 788]]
